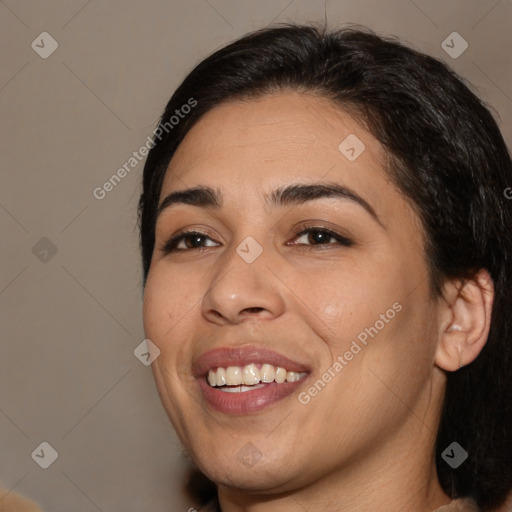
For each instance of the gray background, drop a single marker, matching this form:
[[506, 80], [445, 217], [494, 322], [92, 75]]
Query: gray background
[[71, 321]]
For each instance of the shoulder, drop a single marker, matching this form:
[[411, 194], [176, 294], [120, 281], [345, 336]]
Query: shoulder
[[12, 502], [462, 505]]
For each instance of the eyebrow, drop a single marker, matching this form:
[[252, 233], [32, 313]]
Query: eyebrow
[[289, 195]]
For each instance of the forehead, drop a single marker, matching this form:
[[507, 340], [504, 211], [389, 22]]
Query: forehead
[[279, 137]]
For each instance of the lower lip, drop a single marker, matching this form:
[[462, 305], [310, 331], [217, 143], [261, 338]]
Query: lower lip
[[248, 401]]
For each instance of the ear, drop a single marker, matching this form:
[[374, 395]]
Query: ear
[[465, 320]]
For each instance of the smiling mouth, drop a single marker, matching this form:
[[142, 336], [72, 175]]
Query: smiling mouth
[[240, 379], [247, 379], [248, 389]]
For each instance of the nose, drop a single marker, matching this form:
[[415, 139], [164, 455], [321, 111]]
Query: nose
[[239, 291]]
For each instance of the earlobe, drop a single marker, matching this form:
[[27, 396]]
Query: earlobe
[[465, 321]]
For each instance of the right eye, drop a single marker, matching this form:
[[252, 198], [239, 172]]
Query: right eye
[[186, 241]]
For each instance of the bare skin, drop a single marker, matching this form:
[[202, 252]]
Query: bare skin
[[366, 440]]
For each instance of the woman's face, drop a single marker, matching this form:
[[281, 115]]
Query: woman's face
[[307, 259]]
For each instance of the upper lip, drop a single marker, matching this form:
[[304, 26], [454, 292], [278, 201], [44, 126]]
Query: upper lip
[[242, 356]]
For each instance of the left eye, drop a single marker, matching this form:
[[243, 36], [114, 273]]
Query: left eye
[[313, 236]]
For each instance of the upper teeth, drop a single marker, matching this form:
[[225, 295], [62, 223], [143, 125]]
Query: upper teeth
[[250, 375]]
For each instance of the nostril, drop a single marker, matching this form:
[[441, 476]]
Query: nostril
[[252, 310]]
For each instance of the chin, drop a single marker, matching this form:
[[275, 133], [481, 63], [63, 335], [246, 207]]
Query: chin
[[251, 469], [257, 480]]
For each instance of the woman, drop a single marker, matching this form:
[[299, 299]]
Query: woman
[[326, 249]]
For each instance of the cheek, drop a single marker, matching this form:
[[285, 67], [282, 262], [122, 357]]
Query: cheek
[[344, 300], [168, 296], [170, 303], [375, 317], [168, 309]]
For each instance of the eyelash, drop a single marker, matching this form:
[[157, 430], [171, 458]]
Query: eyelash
[[170, 245]]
